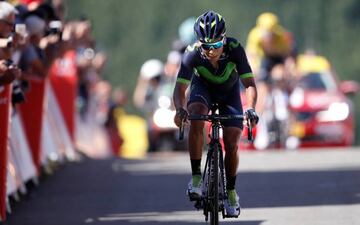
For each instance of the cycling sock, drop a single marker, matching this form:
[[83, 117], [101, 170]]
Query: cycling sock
[[196, 180], [196, 166], [230, 182]]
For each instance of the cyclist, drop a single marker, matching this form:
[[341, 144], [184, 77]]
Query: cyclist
[[268, 44], [214, 66]]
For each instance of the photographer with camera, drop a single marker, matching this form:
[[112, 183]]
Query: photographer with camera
[[42, 50], [8, 71]]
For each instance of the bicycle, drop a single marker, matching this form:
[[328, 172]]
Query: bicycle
[[214, 192]]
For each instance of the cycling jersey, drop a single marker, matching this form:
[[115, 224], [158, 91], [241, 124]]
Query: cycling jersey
[[266, 48], [210, 85], [281, 42], [233, 65]]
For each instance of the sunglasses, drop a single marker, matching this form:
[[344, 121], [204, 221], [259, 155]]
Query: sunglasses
[[215, 45]]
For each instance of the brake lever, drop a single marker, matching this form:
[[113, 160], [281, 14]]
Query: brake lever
[[250, 134], [181, 132]]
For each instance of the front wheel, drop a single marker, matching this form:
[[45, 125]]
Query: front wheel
[[214, 187]]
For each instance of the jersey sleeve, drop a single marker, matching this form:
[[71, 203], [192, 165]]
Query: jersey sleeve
[[187, 66], [239, 57]]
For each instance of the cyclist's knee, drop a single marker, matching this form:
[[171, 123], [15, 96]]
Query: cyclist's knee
[[231, 138], [197, 127], [198, 108], [231, 146]]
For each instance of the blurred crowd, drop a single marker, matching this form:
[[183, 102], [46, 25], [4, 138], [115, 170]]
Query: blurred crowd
[[154, 90], [36, 42]]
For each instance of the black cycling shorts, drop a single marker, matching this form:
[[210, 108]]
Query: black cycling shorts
[[229, 102]]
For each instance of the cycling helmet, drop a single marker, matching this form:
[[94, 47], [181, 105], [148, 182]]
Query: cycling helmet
[[209, 27], [267, 20]]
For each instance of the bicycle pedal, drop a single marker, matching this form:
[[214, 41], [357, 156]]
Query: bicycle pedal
[[198, 205]]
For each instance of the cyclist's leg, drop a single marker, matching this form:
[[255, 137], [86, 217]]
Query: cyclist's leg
[[196, 130], [231, 140], [197, 104], [232, 132]]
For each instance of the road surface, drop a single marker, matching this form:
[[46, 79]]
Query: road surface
[[316, 187]]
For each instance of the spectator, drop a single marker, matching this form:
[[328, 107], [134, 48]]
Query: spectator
[[8, 71], [33, 59], [145, 94], [116, 107], [186, 35], [147, 84]]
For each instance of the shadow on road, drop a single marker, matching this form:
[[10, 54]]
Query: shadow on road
[[300, 188], [84, 193]]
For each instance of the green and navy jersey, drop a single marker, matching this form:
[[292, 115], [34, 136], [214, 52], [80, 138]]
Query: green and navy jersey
[[233, 64]]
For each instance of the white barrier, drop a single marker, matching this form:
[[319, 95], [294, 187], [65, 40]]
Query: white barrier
[[21, 151], [55, 129], [56, 145], [50, 143], [14, 179]]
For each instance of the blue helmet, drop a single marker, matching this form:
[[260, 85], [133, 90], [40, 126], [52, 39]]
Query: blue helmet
[[210, 27]]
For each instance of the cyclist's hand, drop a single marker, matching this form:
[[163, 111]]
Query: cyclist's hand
[[252, 116], [180, 116]]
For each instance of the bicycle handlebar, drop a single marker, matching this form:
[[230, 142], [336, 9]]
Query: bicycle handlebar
[[216, 117]]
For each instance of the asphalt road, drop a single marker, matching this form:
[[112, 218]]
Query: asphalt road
[[314, 187]]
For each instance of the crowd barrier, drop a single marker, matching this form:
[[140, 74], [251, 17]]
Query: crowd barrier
[[42, 132], [47, 130], [4, 128], [31, 112]]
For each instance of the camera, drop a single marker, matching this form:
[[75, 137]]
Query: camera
[[17, 92], [9, 63], [55, 27]]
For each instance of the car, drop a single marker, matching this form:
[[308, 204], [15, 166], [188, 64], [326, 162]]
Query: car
[[322, 113]]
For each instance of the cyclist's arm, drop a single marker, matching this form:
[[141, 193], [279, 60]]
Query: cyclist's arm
[[184, 77], [244, 70], [182, 82], [250, 91], [179, 95]]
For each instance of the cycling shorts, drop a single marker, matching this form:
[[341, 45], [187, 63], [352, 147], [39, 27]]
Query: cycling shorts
[[229, 102]]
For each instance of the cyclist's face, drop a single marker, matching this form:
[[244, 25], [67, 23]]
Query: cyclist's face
[[213, 54], [213, 50]]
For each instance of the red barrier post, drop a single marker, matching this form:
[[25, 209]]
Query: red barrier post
[[63, 78], [5, 103], [31, 112]]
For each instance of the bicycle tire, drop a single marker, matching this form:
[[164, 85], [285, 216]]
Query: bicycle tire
[[214, 209]]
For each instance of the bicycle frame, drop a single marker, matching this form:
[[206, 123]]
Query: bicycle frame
[[214, 179]]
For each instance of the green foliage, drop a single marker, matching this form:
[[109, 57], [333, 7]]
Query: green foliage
[[132, 31]]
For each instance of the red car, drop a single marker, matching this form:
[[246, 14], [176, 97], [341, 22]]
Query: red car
[[322, 114]]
